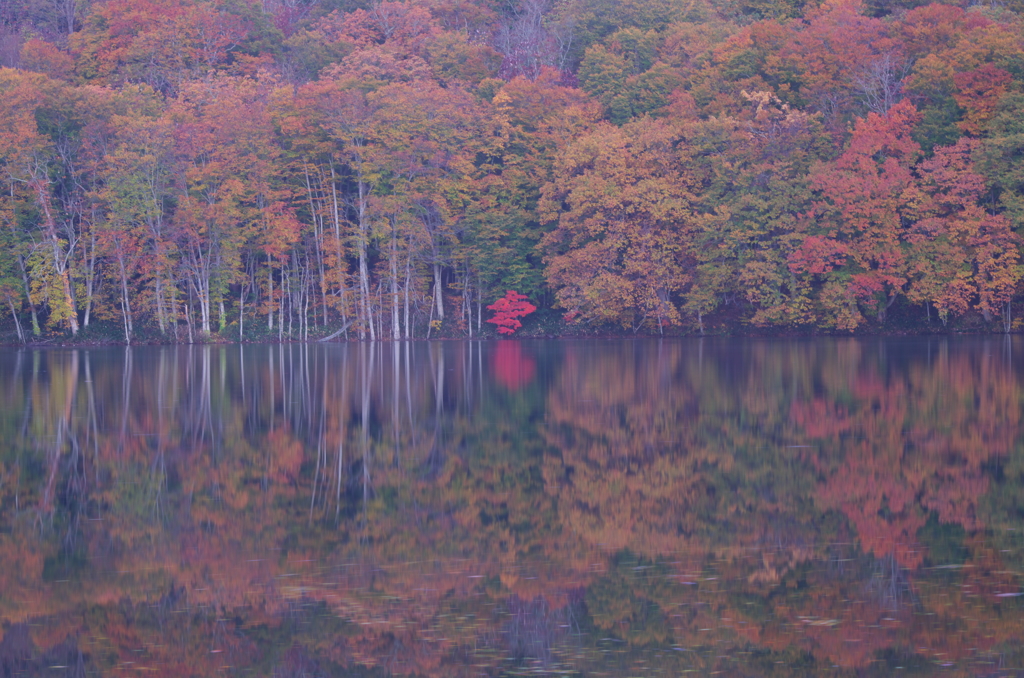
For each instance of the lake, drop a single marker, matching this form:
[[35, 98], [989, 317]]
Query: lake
[[622, 508]]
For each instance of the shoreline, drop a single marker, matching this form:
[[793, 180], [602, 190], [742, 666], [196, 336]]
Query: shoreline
[[70, 342]]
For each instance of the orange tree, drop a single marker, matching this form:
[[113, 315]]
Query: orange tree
[[621, 201]]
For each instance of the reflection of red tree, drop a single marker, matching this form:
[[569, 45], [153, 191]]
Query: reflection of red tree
[[511, 367], [894, 449]]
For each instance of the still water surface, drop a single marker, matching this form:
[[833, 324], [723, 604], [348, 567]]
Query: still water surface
[[621, 508]]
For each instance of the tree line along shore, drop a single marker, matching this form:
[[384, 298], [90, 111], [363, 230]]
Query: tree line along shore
[[199, 170]]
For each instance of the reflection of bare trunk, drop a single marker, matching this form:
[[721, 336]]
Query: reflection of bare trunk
[[94, 432], [62, 435], [395, 386], [890, 583], [408, 395], [439, 383], [532, 629], [435, 458], [202, 414], [161, 398], [272, 393], [75, 485], [285, 400], [205, 395], [321, 459], [364, 435], [321, 445], [342, 431], [126, 397], [158, 477]]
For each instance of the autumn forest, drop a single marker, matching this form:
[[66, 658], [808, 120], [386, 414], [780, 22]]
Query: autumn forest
[[178, 170]]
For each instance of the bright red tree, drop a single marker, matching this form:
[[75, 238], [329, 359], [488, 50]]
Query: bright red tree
[[508, 310]]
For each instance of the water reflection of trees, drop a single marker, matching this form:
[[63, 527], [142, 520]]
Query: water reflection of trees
[[448, 504], [214, 471], [750, 452]]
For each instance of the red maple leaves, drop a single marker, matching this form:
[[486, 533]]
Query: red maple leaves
[[508, 310]]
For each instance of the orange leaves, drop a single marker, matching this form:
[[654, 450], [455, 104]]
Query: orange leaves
[[281, 229], [230, 172], [405, 26], [937, 26], [43, 57], [20, 139], [157, 43], [963, 254], [882, 138], [622, 201], [817, 255], [978, 93], [890, 225], [866, 193]]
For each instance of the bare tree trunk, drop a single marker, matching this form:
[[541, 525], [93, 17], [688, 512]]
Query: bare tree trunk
[[90, 279], [17, 322], [161, 319], [438, 296], [320, 239], [59, 256], [270, 292], [36, 331], [408, 281], [241, 311], [395, 329], [203, 290], [188, 314], [66, 10], [336, 217], [126, 308], [364, 274]]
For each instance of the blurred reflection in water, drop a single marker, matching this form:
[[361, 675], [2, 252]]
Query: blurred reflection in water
[[465, 508]]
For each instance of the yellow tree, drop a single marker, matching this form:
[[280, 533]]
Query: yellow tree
[[961, 252], [136, 187], [622, 203], [27, 157], [337, 109], [425, 141], [227, 159]]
